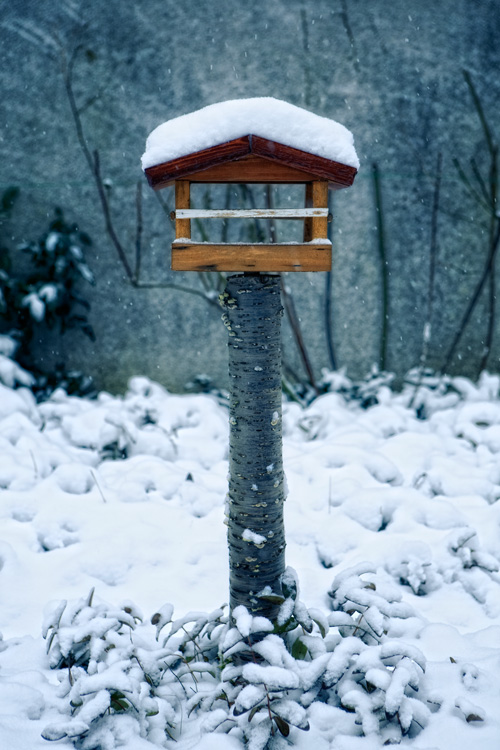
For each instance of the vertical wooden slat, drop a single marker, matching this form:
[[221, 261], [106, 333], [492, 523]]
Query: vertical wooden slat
[[308, 204], [319, 200], [182, 200]]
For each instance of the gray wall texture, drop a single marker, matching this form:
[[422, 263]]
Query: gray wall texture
[[392, 72]]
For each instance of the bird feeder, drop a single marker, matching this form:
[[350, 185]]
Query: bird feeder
[[255, 159], [253, 141]]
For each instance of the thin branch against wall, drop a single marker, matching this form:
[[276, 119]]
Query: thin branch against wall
[[328, 321], [108, 222], [138, 230], [383, 266], [427, 332], [485, 193], [307, 57], [488, 268], [293, 319], [350, 35]]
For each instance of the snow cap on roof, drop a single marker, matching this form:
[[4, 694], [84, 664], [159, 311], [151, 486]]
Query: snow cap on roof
[[266, 117]]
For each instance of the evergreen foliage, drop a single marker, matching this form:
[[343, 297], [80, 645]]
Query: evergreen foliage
[[44, 293], [256, 679]]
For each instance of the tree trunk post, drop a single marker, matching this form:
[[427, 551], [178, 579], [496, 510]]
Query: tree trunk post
[[256, 537]]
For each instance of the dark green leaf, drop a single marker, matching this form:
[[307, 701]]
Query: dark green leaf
[[299, 650], [272, 598], [254, 710], [282, 725], [321, 627], [289, 586], [118, 702]]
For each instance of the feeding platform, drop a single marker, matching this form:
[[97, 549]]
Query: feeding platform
[[252, 141]]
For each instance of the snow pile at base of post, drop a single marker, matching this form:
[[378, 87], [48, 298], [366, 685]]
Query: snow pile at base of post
[[262, 116]]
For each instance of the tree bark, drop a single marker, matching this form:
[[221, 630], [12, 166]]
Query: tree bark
[[256, 536]]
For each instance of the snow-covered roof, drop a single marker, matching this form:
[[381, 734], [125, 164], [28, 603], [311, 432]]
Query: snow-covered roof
[[265, 117]]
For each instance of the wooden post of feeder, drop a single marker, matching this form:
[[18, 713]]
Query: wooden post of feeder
[[182, 201], [252, 314], [256, 535]]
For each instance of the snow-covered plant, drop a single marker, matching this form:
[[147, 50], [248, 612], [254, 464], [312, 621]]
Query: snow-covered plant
[[366, 607], [252, 678], [105, 673], [376, 676], [44, 292], [257, 695], [367, 392], [464, 544]]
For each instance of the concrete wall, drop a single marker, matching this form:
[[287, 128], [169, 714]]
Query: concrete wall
[[391, 72]]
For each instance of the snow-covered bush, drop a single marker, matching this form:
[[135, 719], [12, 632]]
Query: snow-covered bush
[[257, 680], [377, 676], [44, 293], [104, 673]]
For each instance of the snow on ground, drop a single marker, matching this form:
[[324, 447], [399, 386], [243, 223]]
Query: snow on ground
[[126, 494]]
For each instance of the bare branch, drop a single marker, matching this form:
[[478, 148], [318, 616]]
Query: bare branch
[[291, 313], [480, 111], [138, 231], [426, 338], [108, 221], [474, 299], [383, 267]]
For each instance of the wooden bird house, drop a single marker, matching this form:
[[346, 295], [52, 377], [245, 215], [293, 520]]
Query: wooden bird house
[[254, 159]]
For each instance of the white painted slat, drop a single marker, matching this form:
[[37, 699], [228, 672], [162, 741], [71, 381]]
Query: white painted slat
[[250, 213], [187, 242]]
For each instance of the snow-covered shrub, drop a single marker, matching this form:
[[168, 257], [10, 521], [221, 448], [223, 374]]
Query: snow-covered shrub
[[12, 374], [254, 679], [105, 673], [367, 392], [45, 294], [375, 675]]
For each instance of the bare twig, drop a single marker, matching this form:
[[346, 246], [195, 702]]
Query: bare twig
[[98, 486], [426, 338], [293, 319], [486, 196], [108, 221], [138, 231], [474, 299], [163, 203], [480, 111], [307, 57], [383, 267]]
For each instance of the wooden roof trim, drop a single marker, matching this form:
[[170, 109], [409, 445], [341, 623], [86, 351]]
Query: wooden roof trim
[[333, 171], [337, 174], [162, 174]]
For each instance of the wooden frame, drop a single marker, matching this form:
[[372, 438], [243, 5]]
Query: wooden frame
[[314, 254], [251, 257], [252, 159]]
